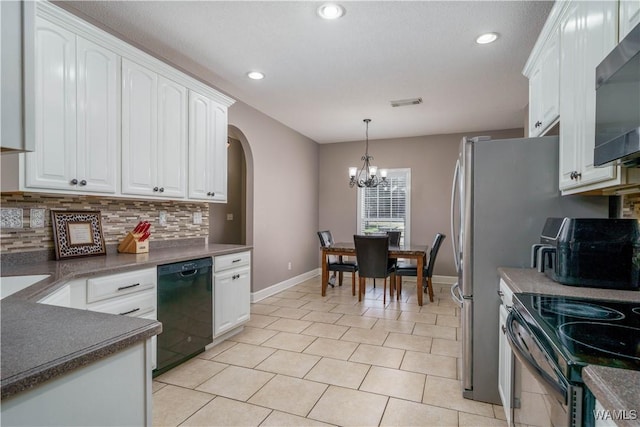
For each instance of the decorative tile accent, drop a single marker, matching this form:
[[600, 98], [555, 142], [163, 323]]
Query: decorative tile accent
[[118, 217], [36, 218], [10, 218]]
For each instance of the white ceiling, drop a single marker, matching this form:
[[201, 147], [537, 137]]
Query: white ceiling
[[324, 77]]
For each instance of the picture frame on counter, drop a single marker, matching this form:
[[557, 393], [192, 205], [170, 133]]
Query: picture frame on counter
[[77, 233]]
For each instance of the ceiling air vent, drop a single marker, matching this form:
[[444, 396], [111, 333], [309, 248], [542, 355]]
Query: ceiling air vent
[[405, 102]]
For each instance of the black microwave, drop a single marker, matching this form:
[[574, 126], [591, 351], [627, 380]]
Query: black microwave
[[618, 104]]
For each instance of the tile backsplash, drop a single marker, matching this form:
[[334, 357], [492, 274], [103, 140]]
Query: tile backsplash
[[26, 218]]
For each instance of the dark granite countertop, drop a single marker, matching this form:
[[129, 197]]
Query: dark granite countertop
[[35, 346], [616, 389], [530, 280]]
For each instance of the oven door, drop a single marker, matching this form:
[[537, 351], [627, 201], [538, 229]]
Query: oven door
[[564, 399]]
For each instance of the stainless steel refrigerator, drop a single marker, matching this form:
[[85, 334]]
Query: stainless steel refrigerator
[[503, 191]]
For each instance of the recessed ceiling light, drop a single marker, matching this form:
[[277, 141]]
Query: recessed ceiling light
[[255, 75], [330, 11], [487, 38]]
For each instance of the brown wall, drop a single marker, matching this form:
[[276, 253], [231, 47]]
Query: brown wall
[[431, 159]]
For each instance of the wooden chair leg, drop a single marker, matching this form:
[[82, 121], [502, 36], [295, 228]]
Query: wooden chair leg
[[392, 287], [353, 283], [340, 278], [398, 287], [360, 287], [384, 292], [430, 286]]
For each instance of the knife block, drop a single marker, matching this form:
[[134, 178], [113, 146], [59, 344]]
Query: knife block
[[131, 244]]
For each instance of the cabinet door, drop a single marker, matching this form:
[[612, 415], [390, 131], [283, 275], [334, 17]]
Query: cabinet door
[[53, 164], [588, 33], [98, 136], [550, 87], [139, 129], [172, 138], [629, 16], [535, 104], [231, 299], [570, 94], [600, 29], [207, 149]]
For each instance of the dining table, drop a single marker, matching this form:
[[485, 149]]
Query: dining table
[[413, 252]]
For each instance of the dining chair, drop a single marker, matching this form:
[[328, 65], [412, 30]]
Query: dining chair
[[337, 263], [394, 237], [411, 269], [372, 254]]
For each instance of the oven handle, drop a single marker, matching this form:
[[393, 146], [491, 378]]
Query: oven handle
[[558, 386]]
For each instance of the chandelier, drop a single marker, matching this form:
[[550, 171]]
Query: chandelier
[[367, 176]]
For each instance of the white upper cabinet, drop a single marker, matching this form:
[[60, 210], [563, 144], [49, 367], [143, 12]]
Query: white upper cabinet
[[75, 113], [154, 133], [207, 149], [107, 118], [588, 32], [97, 88], [172, 137], [543, 71], [629, 16], [139, 129]]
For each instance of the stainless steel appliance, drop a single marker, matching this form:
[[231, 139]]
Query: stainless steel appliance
[[502, 193], [588, 252], [554, 337], [618, 104], [185, 308]]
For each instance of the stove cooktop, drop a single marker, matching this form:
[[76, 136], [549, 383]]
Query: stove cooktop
[[580, 331]]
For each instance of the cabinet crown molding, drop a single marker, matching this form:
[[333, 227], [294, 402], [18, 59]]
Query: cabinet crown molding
[[551, 25]]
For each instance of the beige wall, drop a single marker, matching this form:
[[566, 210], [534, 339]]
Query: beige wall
[[221, 229], [431, 159], [285, 196]]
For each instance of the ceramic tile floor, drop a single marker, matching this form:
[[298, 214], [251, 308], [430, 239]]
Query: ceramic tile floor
[[307, 360]]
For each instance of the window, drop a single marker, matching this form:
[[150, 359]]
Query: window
[[387, 207]]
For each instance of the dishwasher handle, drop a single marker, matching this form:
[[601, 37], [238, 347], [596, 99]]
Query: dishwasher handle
[[189, 273]]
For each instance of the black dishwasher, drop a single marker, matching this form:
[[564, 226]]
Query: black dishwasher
[[185, 304]]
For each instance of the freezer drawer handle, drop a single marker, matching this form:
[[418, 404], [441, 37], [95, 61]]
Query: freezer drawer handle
[[237, 260], [130, 311], [122, 288], [456, 295]]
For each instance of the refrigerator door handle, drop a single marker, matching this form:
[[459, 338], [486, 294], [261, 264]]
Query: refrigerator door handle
[[456, 295], [454, 238]]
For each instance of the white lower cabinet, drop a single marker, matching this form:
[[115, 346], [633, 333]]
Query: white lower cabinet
[[114, 391], [505, 355], [232, 287]]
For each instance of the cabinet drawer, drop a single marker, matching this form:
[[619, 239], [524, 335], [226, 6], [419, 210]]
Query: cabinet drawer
[[225, 262], [142, 304], [101, 288]]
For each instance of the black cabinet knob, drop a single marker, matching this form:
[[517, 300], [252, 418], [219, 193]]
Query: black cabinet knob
[[83, 182], [74, 181], [161, 189], [155, 189]]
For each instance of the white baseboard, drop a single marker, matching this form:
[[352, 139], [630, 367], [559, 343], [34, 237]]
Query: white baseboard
[[445, 280], [289, 283]]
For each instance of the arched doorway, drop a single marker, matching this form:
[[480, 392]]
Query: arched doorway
[[232, 222]]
